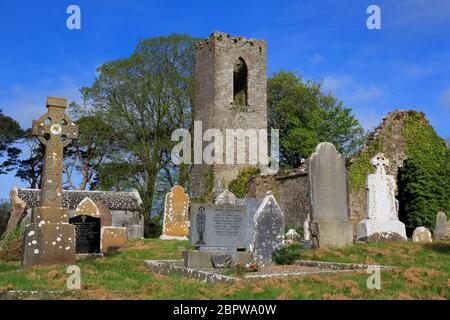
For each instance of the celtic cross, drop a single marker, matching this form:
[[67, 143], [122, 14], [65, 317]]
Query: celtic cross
[[54, 130]]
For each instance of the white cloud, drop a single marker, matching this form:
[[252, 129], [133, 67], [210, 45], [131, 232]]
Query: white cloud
[[350, 90], [423, 13], [316, 58], [28, 103], [444, 100]]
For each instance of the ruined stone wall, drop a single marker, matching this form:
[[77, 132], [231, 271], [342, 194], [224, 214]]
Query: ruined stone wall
[[214, 62], [291, 190], [386, 138]]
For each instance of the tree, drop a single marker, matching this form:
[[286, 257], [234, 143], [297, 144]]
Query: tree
[[306, 116], [424, 179], [10, 132], [142, 99], [87, 153], [30, 169]]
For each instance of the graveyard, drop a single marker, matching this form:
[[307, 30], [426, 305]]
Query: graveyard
[[422, 274], [160, 184]]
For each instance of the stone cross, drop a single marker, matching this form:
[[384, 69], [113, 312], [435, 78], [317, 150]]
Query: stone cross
[[54, 130], [50, 239], [382, 222]]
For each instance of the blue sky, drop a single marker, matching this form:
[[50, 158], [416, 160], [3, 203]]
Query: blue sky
[[404, 65]]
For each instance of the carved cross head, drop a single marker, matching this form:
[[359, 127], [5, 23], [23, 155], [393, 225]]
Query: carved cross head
[[380, 163], [55, 126]]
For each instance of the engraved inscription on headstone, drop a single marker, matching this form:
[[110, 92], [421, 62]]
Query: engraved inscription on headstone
[[87, 233], [218, 225]]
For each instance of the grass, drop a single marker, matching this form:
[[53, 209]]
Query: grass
[[424, 274]]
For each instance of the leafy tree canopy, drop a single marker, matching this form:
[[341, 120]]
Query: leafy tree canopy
[[306, 116]]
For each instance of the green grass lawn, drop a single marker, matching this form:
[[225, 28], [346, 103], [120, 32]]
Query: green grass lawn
[[424, 274]]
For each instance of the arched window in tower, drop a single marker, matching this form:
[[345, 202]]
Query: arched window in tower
[[240, 83]]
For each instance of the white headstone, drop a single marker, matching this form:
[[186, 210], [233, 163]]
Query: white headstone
[[422, 234], [382, 211]]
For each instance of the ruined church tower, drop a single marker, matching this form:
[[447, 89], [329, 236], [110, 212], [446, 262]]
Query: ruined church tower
[[230, 93]]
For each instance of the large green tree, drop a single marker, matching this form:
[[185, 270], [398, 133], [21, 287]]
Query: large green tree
[[10, 132], [307, 116], [142, 99]]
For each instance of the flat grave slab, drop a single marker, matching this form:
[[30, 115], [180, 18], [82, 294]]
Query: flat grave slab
[[299, 268]]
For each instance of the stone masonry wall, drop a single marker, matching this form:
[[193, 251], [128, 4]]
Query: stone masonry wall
[[214, 62], [291, 190]]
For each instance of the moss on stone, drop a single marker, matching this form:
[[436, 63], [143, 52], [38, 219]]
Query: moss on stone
[[239, 186]]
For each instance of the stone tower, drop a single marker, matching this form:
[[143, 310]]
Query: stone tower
[[230, 93]]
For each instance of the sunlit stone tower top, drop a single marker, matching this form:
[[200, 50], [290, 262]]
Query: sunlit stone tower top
[[230, 93]]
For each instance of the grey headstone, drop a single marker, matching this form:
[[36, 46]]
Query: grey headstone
[[268, 231], [222, 261], [226, 197], [440, 233], [330, 224], [218, 226], [252, 205]]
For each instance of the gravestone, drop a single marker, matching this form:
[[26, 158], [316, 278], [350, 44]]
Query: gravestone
[[330, 224], [442, 230], [87, 224], [216, 230], [422, 234], [87, 234], [252, 205], [268, 231], [382, 222], [292, 236], [175, 224], [113, 238], [105, 214], [50, 239], [226, 197], [218, 227]]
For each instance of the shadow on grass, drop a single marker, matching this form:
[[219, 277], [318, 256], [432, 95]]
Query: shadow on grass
[[441, 247]]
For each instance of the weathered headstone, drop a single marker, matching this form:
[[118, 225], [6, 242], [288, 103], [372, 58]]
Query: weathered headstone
[[18, 210], [50, 239], [218, 227], [105, 214], [442, 230], [422, 234], [175, 225], [226, 197], [292, 236], [330, 224], [382, 222], [87, 224], [113, 238], [252, 205], [269, 230]]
